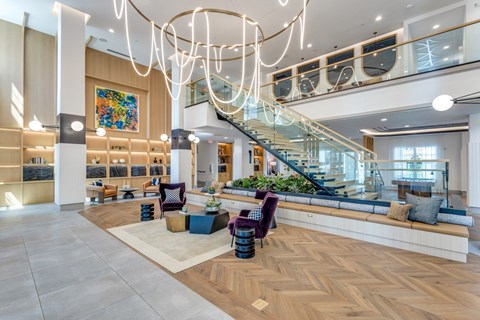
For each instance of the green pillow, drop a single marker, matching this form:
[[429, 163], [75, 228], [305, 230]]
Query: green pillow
[[424, 209]]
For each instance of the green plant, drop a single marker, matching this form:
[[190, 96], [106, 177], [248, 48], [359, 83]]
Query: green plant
[[264, 183], [212, 202], [294, 183], [246, 183], [237, 183]]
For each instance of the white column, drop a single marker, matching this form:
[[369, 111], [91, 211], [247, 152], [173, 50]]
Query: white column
[[70, 149], [242, 159], [181, 154], [473, 163]]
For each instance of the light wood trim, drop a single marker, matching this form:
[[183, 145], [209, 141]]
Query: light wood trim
[[398, 45]]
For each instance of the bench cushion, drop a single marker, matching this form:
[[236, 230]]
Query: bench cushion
[[325, 203], [380, 218], [444, 228], [357, 206], [350, 214], [305, 208]]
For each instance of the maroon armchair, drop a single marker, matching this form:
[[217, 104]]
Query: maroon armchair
[[261, 226], [169, 205]]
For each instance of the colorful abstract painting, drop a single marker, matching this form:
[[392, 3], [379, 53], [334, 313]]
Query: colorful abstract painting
[[116, 110]]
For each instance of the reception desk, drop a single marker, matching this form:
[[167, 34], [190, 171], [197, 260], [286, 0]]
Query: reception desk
[[416, 186]]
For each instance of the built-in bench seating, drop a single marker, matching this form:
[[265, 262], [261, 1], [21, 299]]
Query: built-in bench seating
[[366, 222]]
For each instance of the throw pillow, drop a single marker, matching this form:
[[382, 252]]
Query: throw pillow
[[172, 195], [218, 186], [255, 214], [399, 212], [206, 186], [424, 209], [99, 183], [156, 181]]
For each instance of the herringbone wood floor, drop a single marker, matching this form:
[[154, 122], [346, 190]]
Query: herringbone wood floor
[[304, 274]]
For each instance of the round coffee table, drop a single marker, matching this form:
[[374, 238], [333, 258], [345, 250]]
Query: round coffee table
[[128, 193]]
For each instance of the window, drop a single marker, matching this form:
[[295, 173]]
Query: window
[[336, 65], [379, 63], [281, 89], [415, 169], [308, 81]]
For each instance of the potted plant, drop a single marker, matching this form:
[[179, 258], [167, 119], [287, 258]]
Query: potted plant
[[211, 190], [212, 205]]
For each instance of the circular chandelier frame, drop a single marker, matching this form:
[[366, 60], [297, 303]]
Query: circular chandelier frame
[[217, 46]]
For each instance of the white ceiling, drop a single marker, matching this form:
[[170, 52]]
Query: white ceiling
[[329, 22]]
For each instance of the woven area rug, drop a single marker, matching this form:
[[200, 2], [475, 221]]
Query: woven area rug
[[174, 251]]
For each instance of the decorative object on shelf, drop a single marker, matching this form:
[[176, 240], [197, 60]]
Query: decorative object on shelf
[[116, 110], [161, 161], [211, 190], [38, 160], [34, 173], [212, 205], [139, 171], [147, 211], [114, 161], [122, 161], [118, 171], [185, 209], [155, 160], [96, 172], [94, 161]]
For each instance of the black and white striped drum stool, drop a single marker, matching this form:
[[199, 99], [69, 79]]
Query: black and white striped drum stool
[[245, 243]]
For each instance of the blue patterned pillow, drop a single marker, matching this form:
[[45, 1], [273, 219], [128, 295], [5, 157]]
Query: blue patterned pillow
[[155, 181], [172, 195], [99, 183], [424, 209], [255, 214]]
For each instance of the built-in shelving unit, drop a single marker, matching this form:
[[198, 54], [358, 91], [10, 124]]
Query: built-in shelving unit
[[129, 161], [224, 162], [26, 167], [258, 161]]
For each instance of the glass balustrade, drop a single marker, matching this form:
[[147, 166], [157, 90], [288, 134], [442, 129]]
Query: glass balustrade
[[383, 60], [328, 159], [393, 179]]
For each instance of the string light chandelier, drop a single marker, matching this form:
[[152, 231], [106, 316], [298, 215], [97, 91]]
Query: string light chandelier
[[192, 53]]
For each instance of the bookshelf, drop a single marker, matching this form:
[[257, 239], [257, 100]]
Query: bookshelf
[[26, 167], [224, 162], [258, 161], [121, 161]]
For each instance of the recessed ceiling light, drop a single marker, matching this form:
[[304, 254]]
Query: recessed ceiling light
[[445, 59], [378, 18], [201, 66], [236, 49], [111, 30], [309, 45], [228, 77], [406, 126], [446, 47], [436, 26], [410, 6], [383, 119]]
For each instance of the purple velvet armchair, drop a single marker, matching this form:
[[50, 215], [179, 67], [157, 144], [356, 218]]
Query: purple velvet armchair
[[171, 205], [261, 226]]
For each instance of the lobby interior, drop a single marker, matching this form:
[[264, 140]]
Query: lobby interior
[[334, 114]]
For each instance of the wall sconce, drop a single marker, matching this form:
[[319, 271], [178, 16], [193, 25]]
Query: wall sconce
[[445, 102], [77, 126], [164, 137]]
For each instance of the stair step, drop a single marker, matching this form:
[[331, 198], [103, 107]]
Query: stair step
[[330, 176], [338, 183], [350, 190]]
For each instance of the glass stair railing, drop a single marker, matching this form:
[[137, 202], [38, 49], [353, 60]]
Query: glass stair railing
[[330, 161]]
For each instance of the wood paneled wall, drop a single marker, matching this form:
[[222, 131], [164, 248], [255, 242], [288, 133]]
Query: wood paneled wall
[[116, 73], [11, 79], [27, 82]]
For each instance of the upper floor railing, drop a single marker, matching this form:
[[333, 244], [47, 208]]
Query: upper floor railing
[[381, 60]]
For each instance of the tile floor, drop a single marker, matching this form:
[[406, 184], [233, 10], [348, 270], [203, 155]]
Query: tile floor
[[58, 265]]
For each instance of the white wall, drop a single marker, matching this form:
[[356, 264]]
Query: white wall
[[449, 147], [207, 160]]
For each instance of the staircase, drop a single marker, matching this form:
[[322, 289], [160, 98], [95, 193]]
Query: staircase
[[330, 161]]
